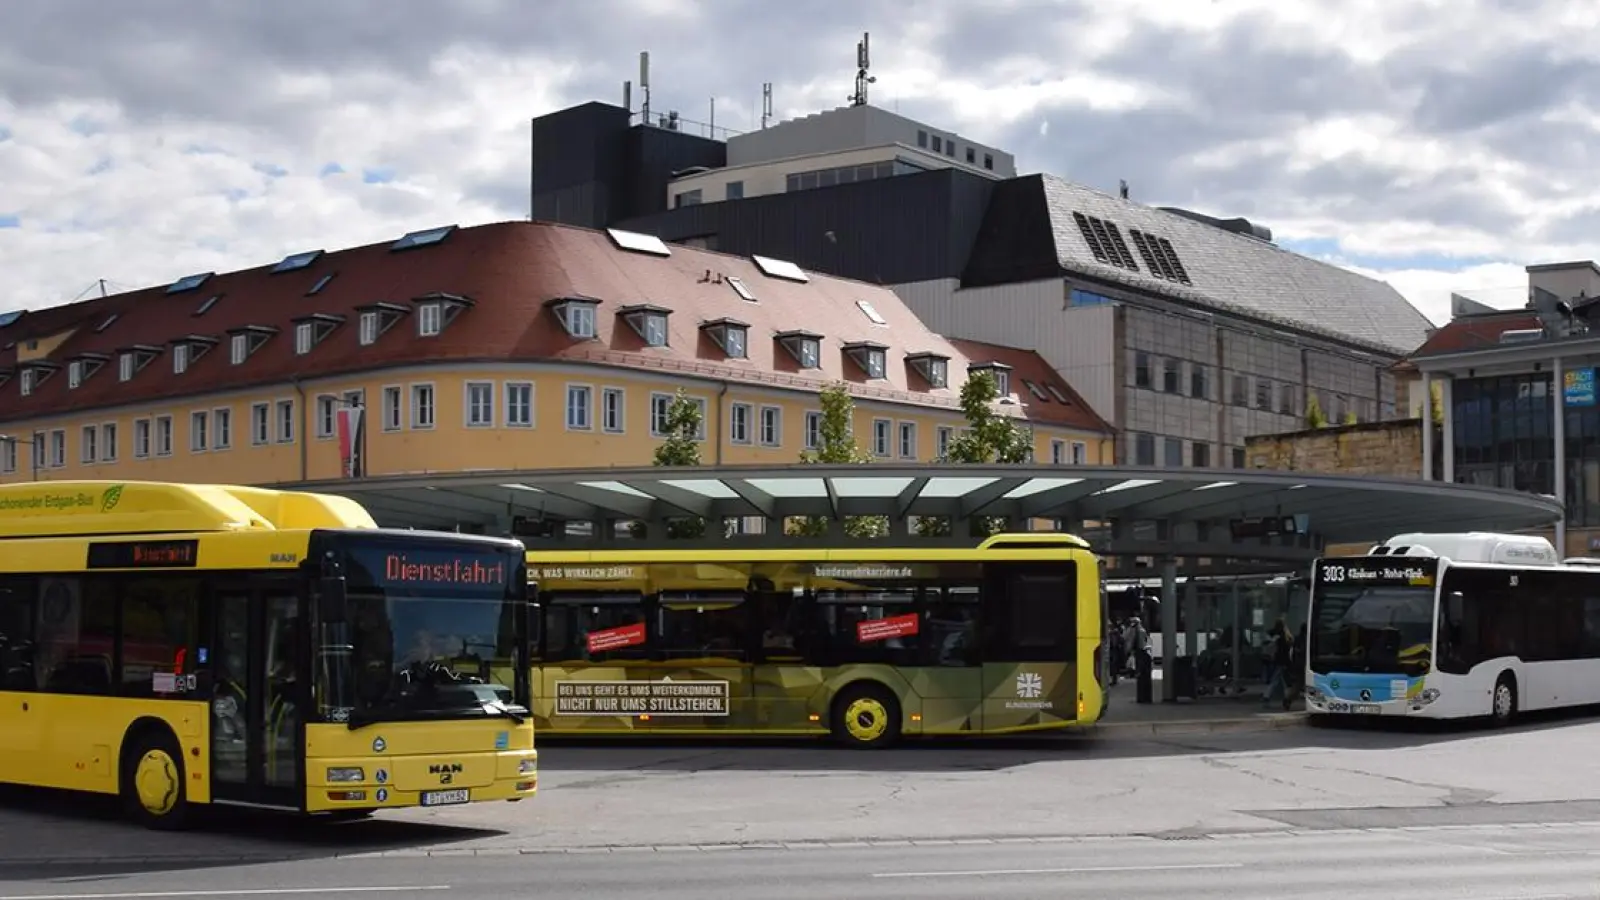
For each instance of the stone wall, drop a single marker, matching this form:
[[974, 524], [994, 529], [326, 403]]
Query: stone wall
[[1383, 449]]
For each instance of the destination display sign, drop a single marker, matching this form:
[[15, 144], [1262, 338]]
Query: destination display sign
[[642, 698], [1375, 571], [144, 555]]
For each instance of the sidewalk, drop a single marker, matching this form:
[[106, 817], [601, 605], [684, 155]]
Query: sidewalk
[[1202, 715]]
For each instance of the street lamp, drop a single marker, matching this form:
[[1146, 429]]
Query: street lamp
[[33, 451]]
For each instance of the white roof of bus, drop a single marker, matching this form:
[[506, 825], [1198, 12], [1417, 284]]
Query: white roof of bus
[[1473, 547]]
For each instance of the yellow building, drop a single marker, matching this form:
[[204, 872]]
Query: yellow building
[[507, 347]]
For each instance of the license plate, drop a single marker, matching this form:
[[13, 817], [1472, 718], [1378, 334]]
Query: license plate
[[445, 798], [1371, 709]]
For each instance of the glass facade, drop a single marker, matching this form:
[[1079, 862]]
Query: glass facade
[[1503, 436]]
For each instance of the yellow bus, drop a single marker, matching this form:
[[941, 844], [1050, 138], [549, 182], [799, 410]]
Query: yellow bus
[[865, 645], [181, 645]]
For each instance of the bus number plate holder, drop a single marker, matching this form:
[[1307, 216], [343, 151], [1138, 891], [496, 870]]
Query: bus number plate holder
[[446, 798]]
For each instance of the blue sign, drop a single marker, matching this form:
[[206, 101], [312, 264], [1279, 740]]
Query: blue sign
[[1577, 387]]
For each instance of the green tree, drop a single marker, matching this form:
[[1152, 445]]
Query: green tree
[[989, 438], [836, 445], [681, 447], [1350, 418], [1315, 417]]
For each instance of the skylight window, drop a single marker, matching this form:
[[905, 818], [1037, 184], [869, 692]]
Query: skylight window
[[871, 312], [634, 242], [297, 261], [1105, 241], [742, 289], [1056, 393], [106, 324], [321, 283], [1037, 392], [780, 268], [422, 238], [188, 283], [10, 318], [1160, 257], [205, 307]]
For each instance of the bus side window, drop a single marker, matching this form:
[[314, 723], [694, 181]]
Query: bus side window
[[1030, 611], [76, 637], [16, 634], [950, 626], [611, 620]]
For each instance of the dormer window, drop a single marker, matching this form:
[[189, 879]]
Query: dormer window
[[82, 366], [27, 382], [732, 335], [309, 331], [377, 318], [871, 357], [243, 342], [576, 315], [132, 360], [934, 368], [804, 346], [437, 310], [1001, 374], [35, 374], [649, 321]]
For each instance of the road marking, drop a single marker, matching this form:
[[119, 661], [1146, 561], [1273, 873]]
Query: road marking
[[258, 892], [1079, 870]]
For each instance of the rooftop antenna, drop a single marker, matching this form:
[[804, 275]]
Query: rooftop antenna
[[644, 86], [863, 63], [1122, 188], [766, 103]]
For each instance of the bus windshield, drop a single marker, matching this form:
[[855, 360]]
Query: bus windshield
[[1378, 630], [430, 632]]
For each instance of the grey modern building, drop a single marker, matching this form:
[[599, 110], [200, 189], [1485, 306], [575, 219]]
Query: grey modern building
[[1187, 332]]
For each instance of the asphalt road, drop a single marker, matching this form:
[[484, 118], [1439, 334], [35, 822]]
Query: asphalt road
[[1498, 862]]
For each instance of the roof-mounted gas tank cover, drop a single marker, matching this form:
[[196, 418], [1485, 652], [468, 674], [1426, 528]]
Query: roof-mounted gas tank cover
[[1473, 547]]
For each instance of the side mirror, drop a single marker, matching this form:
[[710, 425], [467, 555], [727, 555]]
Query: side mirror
[[332, 599]]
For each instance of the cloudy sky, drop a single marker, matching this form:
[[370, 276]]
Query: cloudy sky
[[1439, 144]]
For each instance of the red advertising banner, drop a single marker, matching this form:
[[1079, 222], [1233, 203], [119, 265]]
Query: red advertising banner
[[616, 638], [349, 423], [884, 629]]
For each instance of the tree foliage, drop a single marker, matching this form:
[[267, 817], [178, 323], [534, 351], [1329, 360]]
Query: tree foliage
[[836, 445], [681, 448], [1315, 417], [988, 439]]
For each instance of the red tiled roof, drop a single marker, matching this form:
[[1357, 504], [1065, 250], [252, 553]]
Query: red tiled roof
[[1028, 367], [510, 271], [1477, 331]]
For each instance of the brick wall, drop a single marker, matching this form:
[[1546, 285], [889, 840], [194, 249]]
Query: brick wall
[[1386, 449]]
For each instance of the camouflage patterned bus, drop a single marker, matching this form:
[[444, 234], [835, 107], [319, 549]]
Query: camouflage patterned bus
[[865, 645]]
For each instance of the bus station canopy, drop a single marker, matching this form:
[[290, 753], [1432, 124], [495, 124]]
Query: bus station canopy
[[1340, 509]]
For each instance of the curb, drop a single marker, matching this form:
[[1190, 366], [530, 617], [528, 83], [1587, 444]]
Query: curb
[[1239, 725]]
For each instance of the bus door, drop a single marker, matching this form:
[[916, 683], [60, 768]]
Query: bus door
[[1030, 652], [259, 659], [951, 681]]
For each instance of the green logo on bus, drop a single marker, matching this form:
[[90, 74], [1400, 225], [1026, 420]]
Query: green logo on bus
[[110, 499]]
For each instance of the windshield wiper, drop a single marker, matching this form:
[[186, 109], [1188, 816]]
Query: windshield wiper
[[496, 708]]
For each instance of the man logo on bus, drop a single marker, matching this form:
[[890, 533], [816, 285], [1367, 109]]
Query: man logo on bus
[[1030, 685], [111, 497]]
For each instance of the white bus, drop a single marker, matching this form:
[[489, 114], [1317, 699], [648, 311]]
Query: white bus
[[1450, 626]]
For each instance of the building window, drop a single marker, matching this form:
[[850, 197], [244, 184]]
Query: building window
[[74, 374], [941, 441], [370, 326], [141, 438], [881, 437], [422, 408], [988, 161], [519, 404], [1144, 450], [260, 423], [1058, 453], [612, 410], [327, 408], [304, 337], [393, 408], [88, 443], [108, 442], [199, 429], [163, 435], [1080, 453], [1286, 399], [221, 428], [125, 367], [239, 349], [922, 139], [687, 198], [180, 359], [8, 457], [938, 144], [813, 429], [58, 448], [1238, 457], [1171, 377], [577, 317], [580, 412], [771, 426], [1200, 455], [480, 404], [430, 319], [734, 343], [1264, 394], [972, 156], [1198, 388], [1239, 395], [908, 440], [661, 405], [1174, 453], [739, 423], [286, 429], [735, 190], [1141, 369], [1002, 382]]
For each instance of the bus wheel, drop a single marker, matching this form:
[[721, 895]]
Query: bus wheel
[[1505, 700], [153, 782], [866, 715]]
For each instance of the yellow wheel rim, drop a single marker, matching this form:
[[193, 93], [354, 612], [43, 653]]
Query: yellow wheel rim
[[866, 719], [156, 781]]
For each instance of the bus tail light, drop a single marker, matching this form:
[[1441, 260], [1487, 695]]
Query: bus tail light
[[348, 796]]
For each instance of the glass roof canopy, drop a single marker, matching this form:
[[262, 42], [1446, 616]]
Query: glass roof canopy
[[1341, 508]]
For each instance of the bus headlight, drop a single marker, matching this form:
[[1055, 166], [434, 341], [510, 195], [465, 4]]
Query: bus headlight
[[1426, 697], [344, 776], [527, 766], [1314, 695]]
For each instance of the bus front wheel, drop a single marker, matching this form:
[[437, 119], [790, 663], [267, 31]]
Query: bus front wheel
[[866, 715], [153, 781], [1504, 708]]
